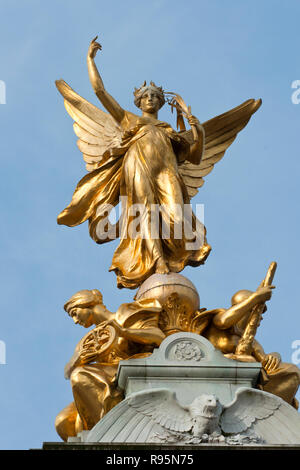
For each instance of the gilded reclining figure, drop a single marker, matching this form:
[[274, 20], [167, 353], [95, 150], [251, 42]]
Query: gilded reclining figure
[[129, 333]]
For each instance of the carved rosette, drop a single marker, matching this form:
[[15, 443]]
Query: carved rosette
[[187, 351]]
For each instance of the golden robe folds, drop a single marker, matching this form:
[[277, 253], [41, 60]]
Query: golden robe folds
[[145, 170]]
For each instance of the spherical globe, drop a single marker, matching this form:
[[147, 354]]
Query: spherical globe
[[161, 286]]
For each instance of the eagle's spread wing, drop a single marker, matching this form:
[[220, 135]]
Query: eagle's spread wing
[[162, 407], [262, 413]]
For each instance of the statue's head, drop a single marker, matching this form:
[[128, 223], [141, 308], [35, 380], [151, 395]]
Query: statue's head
[[205, 405], [149, 98], [81, 306], [240, 296]]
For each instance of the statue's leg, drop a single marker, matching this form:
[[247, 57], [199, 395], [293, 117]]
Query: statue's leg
[[94, 392], [140, 252], [65, 422], [184, 239], [284, 382]]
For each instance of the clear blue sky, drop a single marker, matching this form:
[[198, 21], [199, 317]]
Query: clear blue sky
[[215, 54]]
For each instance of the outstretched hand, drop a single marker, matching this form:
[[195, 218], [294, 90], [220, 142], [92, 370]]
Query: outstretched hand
[[94, 47], [264, 293]]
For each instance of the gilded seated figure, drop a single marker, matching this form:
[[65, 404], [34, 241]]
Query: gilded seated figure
[[130, 332], [224, 328]]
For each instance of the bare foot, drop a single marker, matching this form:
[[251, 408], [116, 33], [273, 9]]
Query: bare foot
[[161, 266]]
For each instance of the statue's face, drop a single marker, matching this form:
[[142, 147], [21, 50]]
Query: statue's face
[[82, 316], [150, 102]]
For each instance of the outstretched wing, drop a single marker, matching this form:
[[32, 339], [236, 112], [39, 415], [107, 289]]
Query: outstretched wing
[[136, 418], [162, 407], [263, 413], [97, 130], [220, 132]]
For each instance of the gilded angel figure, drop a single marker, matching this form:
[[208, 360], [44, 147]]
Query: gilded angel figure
[[147, 163]]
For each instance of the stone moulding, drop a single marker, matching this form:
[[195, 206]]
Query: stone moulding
[[187, 393], [189, 365]]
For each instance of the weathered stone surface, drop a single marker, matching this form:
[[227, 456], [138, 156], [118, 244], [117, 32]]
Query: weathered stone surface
[[188, 394], [155, 416], [189, 365]]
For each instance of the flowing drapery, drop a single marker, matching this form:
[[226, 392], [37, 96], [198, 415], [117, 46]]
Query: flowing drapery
[[144, 172]]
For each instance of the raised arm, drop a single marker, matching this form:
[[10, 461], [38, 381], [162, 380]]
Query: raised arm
[[231, 316], [106, 99]]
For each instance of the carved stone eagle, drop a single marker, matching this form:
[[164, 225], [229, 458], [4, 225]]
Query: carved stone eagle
[[155, 415]]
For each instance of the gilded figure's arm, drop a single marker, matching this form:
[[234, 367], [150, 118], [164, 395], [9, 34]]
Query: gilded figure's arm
[[96, 81], [230, 317], [151, 335], [84, 353], [197, 147], [258, 351], [73, 362], [269, 361]]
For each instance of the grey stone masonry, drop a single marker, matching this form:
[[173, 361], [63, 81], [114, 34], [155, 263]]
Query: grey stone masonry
[[189, 365]]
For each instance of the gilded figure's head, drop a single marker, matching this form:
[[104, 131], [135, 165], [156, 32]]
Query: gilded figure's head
[[240, 296], [80, 307], [149, 98]]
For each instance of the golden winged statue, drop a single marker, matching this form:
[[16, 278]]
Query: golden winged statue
[[147, 164]]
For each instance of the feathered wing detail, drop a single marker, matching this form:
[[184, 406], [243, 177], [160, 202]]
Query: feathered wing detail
[[262, 413], [220, 132], [162, 407], [98, 132], [134, 427], [100, 143], [136, 418]]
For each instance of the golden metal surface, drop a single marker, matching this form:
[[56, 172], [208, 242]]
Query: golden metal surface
[[146, 161], [176, 317], [245, 343], [137, 327], [132, 331], [225, 329]]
